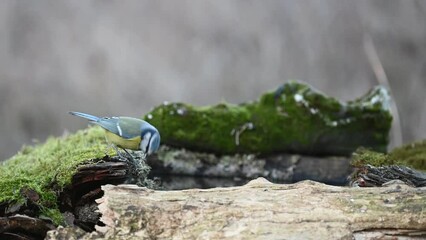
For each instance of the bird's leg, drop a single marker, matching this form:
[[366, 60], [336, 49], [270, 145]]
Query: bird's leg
[[119, 154], [108, 145], [130, 155], [136, 169], [111, 145], [134, 164]]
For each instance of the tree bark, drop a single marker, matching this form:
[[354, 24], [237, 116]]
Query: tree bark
[[278, 167], [370, 176], [259, 210]]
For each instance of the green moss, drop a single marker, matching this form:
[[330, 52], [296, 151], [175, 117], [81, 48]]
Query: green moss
[[52, 213], [364, 156], [50, 164], [202, 117], [293, 118], [411, 155]]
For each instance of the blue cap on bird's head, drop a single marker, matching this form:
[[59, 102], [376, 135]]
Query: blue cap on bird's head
[[150, 140]]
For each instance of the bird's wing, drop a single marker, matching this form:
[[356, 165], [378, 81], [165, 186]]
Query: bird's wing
[[109, 124], [125, 127]]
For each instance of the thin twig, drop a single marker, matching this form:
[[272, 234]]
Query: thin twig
[[379, 71], [245, 126]]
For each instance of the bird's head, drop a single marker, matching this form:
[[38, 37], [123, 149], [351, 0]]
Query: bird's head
[[150, 140]]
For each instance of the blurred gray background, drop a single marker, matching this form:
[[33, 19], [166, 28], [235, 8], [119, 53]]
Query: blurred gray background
[[124, 57]]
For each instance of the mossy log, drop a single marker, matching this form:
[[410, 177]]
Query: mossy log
[[76, 201], [410, 155], [38, 177], [47, 168], [406, 163], [293, 119], [259, 210]]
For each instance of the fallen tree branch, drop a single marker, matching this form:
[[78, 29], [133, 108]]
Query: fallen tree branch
[[260, 209], [370, 176]]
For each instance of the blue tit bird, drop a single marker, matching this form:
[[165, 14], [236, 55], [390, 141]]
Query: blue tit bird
[[127, 132]]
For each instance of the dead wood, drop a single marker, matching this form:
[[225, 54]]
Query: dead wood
[[79, 198], [370, 176], [23, 227], [259, 210]]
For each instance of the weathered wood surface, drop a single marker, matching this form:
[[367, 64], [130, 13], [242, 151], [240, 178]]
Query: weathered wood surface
[[23, 227], [259, 210], [370, 176]]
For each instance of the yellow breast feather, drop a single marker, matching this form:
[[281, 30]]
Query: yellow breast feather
[[131, 143]]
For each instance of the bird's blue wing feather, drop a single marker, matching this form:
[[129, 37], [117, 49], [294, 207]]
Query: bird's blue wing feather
[[85, 115], [109, 124], [124, 127]]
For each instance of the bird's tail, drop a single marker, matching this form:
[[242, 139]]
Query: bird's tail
[[85, 115]]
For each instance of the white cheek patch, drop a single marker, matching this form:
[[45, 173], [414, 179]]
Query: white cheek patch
[[145, 141], [154, 140]]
